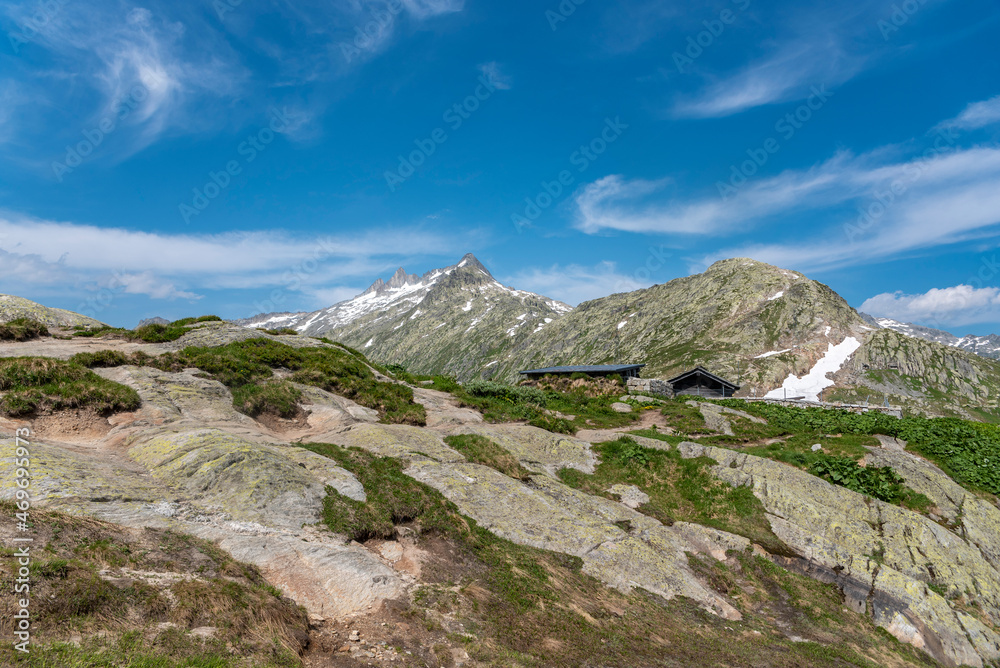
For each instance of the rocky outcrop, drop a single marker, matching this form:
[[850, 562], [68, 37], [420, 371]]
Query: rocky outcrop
[[12, 307], [188, 461], [538, 450], [551, 516], [886, 559]]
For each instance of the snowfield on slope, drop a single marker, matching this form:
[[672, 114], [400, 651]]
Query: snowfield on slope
[[814, 382]]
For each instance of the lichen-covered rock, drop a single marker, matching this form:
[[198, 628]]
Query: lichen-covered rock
[[397, 440], [249, 481], [70, 479], [630, 495], [538, 450], [551, 516], [893, 553], [330, 580], [443, 411], [619, 407], [976, 520], [12, 307], [183, 399]]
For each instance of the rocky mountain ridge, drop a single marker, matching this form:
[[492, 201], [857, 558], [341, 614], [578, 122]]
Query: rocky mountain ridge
[[453, 320], [985, 346]]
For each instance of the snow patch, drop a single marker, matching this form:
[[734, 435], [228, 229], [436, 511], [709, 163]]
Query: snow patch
[[773, 353], [777, 296], [814, 382], [415, 314], [622, 324], [827, 332], [468, 306], [491, 364], [369, 344]]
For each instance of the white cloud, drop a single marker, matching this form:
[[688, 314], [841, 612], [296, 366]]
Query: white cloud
[[422, 9], [947, 200], [574, 284], [141, 59], [977, 115], [71, 258], [497, 79], [147, 284], [788, 74], [941, 196], [956, 306], [639, 206]]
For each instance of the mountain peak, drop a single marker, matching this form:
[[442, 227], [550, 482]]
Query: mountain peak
[[470, 260], [398, 280], [401, 278]]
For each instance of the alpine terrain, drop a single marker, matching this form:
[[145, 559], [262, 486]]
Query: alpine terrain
[[204, 494], [768, 329]]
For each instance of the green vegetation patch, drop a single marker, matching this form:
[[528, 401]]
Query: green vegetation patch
[[500, 402], [42, 385], [481, 450], [966, 451], [881, 482], [679, 489], [154, 333], [247, 368], [22, 329]]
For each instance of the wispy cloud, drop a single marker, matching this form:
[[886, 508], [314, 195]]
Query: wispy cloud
[[73, 258], [785, 75], [615, 203], [497, 79], [977, 115], [953, 199], [574, 283], [956, 306], [425, 8], [146, 283], [860, 208], [116, 50]]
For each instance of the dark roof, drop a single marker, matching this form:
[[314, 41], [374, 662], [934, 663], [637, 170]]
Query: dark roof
[[703, 372], [588, 368]]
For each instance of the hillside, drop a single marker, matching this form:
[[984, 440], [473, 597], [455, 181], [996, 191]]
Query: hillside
[[238, 475], [733, 319], [12, 308]]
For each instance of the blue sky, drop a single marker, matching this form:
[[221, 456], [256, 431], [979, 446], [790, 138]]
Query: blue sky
[[228, 156]]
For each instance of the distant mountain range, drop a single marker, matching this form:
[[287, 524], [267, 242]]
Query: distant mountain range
[[985, 346], [761, 326]]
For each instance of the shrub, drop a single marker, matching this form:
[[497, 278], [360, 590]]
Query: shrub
[[22, 329]]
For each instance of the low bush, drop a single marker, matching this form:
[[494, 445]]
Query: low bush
[[883, 482], [22, 329]]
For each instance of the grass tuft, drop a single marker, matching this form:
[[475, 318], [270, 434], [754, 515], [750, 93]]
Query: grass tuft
[[22, 329], [42, 385]]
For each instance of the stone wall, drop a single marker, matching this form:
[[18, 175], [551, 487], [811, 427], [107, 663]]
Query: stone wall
[[651, 386]]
